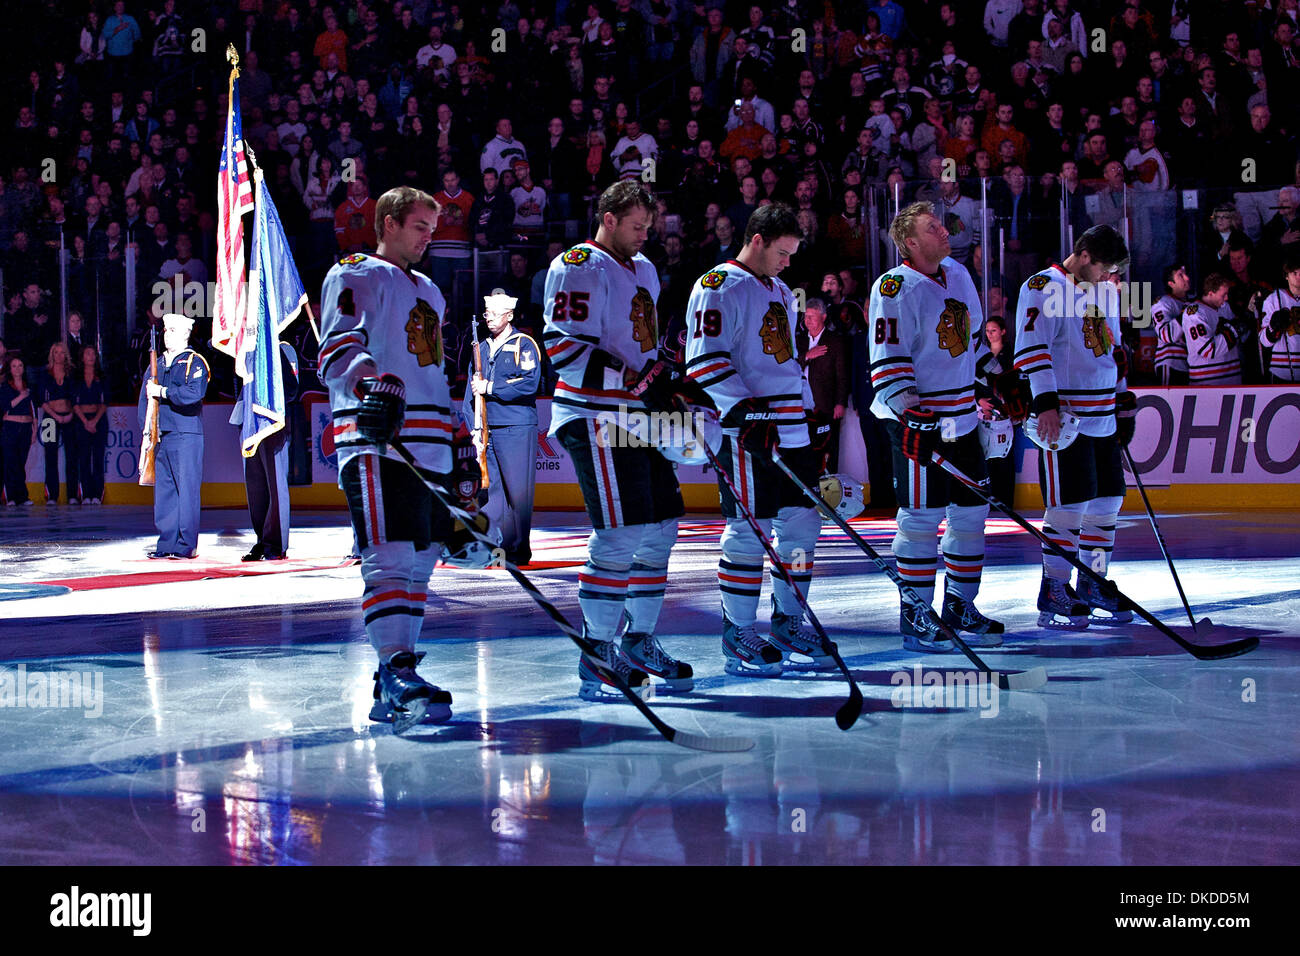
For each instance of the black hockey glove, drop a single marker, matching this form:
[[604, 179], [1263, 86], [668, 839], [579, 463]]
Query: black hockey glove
[[1121, 363], [466, 475], [756, 424], [1229, 333], [820, 429], [1015, 395], [920, 434], [1126, 409], [806, 462], [658, 384], [383, 409], [1278, 324]]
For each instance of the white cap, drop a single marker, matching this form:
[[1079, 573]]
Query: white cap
[[174, 322], [499, 302]]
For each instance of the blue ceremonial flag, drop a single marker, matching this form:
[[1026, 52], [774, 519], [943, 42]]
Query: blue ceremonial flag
[[276, 295]]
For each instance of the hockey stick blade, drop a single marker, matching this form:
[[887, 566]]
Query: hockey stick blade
[[668, 732], [847, 714], [1202, 652], [1020, 680]]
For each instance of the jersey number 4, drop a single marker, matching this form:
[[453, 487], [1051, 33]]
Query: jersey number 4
[[886, 336], [708, 322], [571, 305]]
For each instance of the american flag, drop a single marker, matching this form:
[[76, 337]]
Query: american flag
[[235, 195]]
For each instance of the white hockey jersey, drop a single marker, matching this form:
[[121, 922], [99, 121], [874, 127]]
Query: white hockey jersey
[[601, 329], [377, 319], [1212, 357], [924, 334], [1171, 349], [740, 331], [1285, 361], [1066, 335]]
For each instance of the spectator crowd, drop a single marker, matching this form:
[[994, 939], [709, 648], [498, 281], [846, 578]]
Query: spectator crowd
[[1061, 113]]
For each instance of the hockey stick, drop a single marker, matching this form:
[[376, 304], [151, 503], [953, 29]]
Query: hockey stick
[[1204, 626], [1199, 651], [669, 733], [849, 711], [1020, 680]]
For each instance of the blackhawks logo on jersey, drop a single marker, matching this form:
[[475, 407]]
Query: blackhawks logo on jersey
[[1291, 320], [1193, 308], [576, 256], [1037, 283], [1096, 333], [713, 280], [424, 334], [644, 327], [954, 327], [352, 259], [775, 332], [890, 285]]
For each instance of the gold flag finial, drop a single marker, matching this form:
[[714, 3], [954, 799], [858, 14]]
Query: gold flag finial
[[232, 55]]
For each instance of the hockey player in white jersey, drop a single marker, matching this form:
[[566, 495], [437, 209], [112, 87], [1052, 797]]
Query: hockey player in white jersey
[[1167, 318], [1280, 328], [739, 348], [1212, 356], [1067, 343], [924, 323], [602, 337], [381, 357]]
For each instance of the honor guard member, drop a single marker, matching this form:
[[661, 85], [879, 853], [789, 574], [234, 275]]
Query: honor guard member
[[924, 325], [740, 350], [1280, 328], [382, 359], [511, 375], [266, 473], [602, 337], [182, 382], [1068, 344]]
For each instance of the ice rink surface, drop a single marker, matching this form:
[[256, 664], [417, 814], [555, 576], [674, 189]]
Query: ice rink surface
[[226, 714]]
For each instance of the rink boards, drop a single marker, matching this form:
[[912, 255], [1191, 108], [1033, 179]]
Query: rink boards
[[1191, 442]]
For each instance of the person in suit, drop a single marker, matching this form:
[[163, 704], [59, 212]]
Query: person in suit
[[266, 473], [182, 382], [824, 355]]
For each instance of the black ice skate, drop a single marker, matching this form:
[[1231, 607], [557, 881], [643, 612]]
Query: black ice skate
[[746, 653], [921, 633], [1097, 600], [642, 651], [1059, 607], [962, 615], [404, 698], [793, 635], [597, 687]]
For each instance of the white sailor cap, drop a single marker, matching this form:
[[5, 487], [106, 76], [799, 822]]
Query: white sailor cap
[[499, 302], [174, 322]]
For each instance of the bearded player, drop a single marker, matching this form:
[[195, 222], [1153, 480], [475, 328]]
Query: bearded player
[[924, 325], [602, 337]]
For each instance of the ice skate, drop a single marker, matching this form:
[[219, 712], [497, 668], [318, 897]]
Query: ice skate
[[1097, 600], [747, 654], [921, 632], [643, 652], [792, 634], [962, 615], [404, 698], [598, 688], [1059, 607]]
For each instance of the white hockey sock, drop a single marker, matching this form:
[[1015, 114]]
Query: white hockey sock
[[1061, 526], [601, 595], [645, 596], [740, 582]]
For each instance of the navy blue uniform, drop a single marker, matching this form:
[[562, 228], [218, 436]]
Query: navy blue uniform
[[57, 433], [179, 464], [513, 370], [16, 440], [90, 445]]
